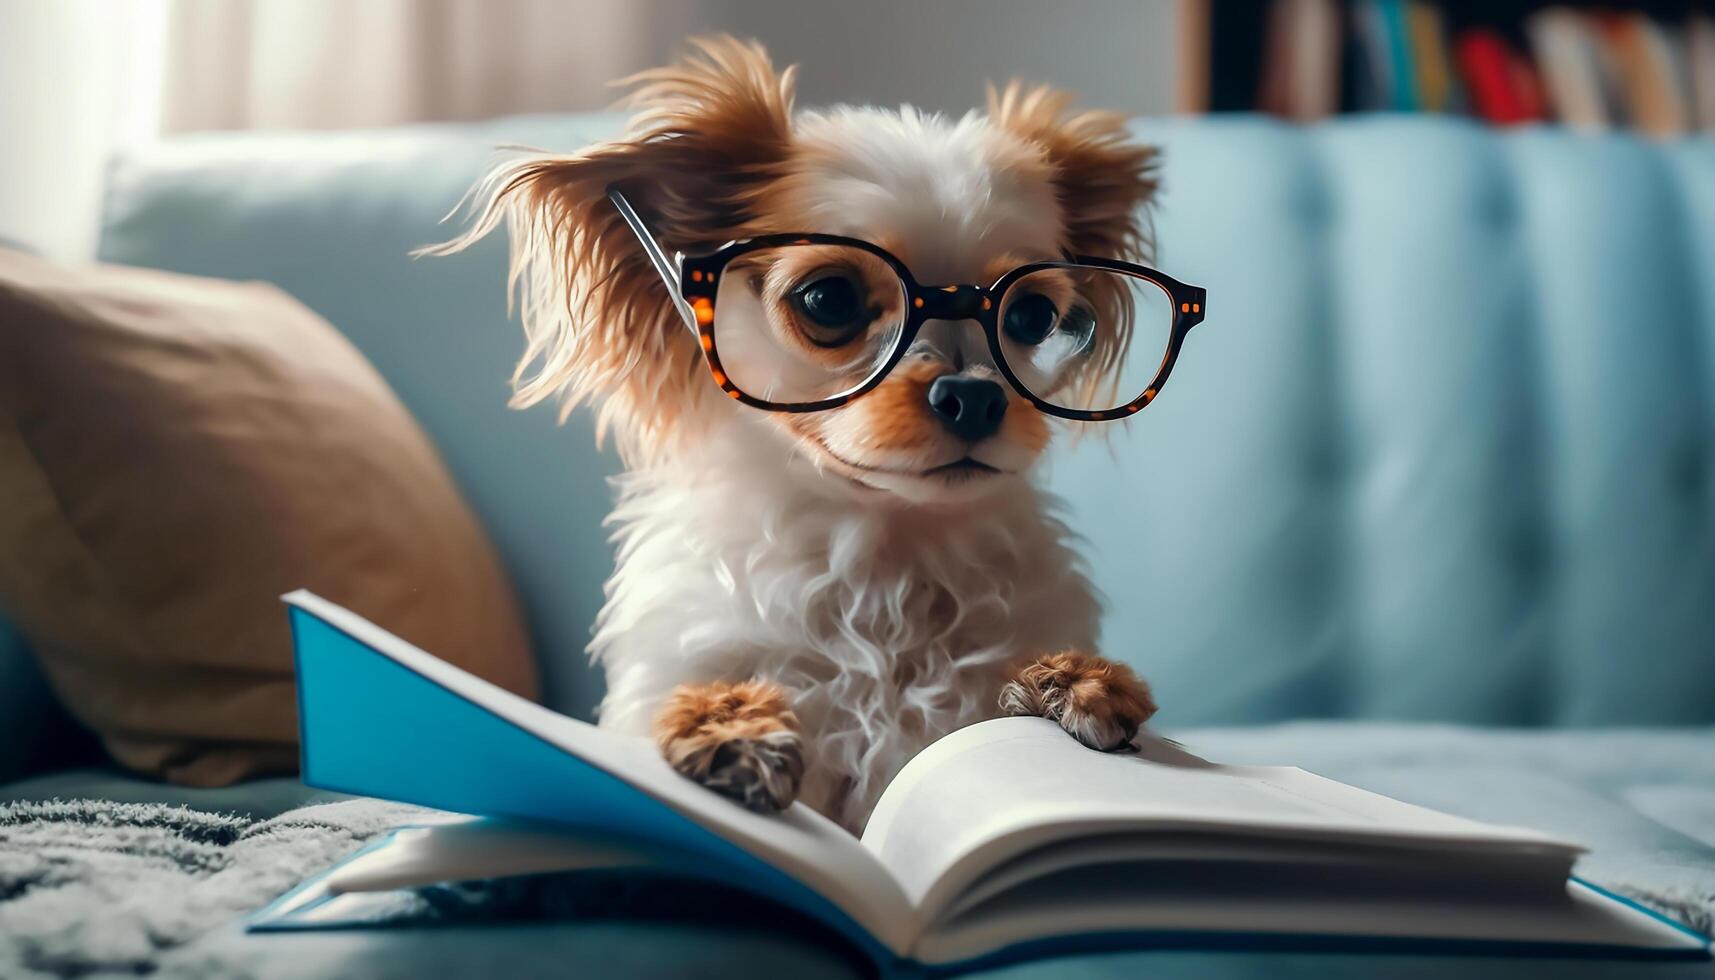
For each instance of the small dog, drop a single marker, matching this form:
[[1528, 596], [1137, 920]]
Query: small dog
[[804, 599]]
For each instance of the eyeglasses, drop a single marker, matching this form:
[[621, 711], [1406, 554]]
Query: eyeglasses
[[809, 322]]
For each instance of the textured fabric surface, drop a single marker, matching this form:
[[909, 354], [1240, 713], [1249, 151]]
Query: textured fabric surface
[[1642, 800], [256, 799], [174, 454], [101, 888], [1441, 449], [93, 885], [332, 218], [122, 886]]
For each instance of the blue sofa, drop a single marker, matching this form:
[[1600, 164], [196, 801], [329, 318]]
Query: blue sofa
[[1440, 461]]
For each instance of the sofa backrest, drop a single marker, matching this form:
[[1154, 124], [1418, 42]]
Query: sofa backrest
[[1441, 450]]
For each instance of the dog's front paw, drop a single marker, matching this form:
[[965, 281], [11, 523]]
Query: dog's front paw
[[740, 740], [1100, 703]]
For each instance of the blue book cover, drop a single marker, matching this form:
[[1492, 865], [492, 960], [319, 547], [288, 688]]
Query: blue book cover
[[1003, 841]]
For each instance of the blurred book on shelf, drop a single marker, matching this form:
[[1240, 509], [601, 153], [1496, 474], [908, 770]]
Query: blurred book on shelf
[[1648, 67], [1700, 64]]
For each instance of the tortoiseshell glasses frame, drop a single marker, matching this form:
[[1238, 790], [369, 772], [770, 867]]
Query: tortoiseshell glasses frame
[[692, 282]]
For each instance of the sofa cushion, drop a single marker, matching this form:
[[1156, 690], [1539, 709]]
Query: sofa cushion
[[36, 734], [1442, 448], [332, 217], [1440, 451], [175, 453]]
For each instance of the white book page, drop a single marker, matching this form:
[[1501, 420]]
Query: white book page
[[1159, 859], [471, 848], [1118, 906], [993, 791], [799, 841]]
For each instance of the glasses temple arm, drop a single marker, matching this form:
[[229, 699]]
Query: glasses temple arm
[[666, 268]]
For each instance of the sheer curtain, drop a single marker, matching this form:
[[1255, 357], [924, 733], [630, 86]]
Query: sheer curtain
[[81, 78], [240, 64], [77, 79]]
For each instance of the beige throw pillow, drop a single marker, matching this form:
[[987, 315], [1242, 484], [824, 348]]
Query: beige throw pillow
[[175, 453]]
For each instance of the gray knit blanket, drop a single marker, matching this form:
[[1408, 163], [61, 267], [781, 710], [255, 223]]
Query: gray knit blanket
[[92, 888], [95, 888]]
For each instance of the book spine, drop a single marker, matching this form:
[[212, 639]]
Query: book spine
[[1658, 106], [1376, 77], [1429, 53], [1490, 77], [1402, 62], [1196, 42], [1700, 69], [1235, 55], [1569, 69], [1279, 60], [1592, 66], [1315, 43]]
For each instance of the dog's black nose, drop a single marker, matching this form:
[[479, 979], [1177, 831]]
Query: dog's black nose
[[970, 408]]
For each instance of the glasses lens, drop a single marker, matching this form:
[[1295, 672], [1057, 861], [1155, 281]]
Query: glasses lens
[[1083, 338], [804, 323]]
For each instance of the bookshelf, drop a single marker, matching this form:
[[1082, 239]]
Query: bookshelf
[[1648, 67]]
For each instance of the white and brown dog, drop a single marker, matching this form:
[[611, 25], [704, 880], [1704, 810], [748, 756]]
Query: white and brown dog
[[805, 599]]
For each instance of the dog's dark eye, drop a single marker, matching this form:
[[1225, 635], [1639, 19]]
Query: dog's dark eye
[[831, 306], [1030, 319]]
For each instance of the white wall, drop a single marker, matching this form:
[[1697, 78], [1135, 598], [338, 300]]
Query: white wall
[[936, 54]]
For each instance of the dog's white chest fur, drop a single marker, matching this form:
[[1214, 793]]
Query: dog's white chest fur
[[892, 626]]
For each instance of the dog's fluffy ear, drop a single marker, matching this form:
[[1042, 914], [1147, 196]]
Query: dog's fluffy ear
[[1104, 183], [708, 135], [1104, 180]]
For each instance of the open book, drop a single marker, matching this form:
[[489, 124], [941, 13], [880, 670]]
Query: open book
[[1004, 840]]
